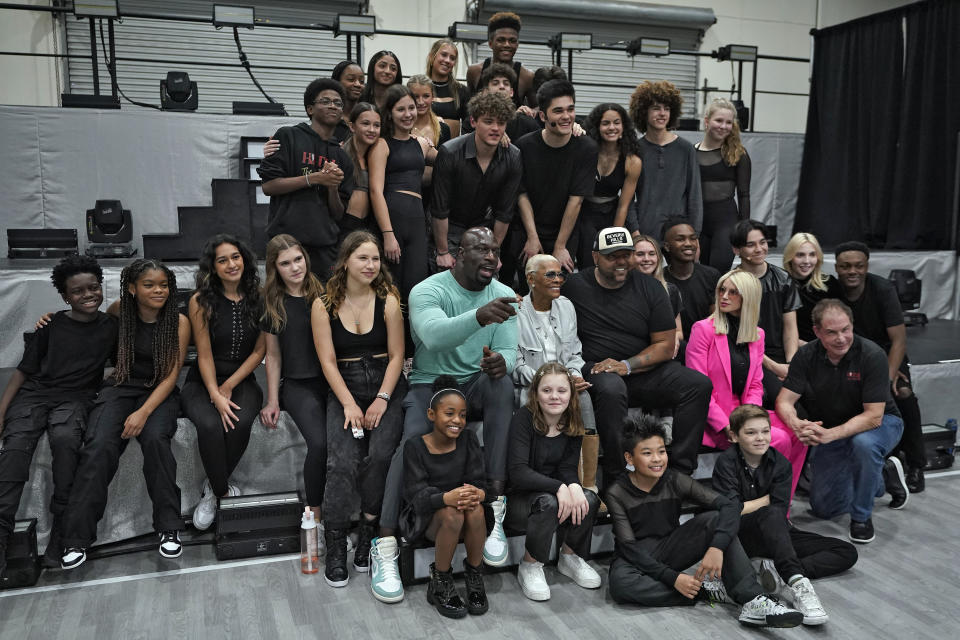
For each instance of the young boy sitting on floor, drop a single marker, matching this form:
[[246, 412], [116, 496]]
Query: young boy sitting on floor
[[652, 548], [757, 478]]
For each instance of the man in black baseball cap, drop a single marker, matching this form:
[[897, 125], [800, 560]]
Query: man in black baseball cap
[[627, 328]]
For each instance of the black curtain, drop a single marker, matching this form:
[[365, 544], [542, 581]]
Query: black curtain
[[923, 192], [850, 150]]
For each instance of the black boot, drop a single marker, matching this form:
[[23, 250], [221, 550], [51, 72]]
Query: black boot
[[476, 593], [367, 531], [442, 594], [335, 571], [54, 550], [915, 480]]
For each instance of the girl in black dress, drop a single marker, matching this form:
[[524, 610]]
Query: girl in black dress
[[444, 492], [221, 396]]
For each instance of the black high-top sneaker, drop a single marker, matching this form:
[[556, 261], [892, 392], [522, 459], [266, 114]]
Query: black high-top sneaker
[[335, 571], [442, 594], [366, 532]]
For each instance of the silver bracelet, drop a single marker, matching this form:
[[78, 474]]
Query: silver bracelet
[[383, 395]]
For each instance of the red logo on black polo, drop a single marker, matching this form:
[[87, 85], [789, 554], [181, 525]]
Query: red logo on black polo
[[853, 376]]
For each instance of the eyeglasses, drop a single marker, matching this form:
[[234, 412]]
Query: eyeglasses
[[326, 102], [729, 292], [553, 275]]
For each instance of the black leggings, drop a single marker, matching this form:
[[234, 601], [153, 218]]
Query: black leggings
[[221, 450], [306, 402], [410, 229]]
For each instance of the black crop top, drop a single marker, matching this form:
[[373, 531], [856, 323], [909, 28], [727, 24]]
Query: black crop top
[[405, 164], [610, 185], [448, 110], [358, 345]]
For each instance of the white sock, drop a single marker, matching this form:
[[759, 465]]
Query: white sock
[[794, 578]]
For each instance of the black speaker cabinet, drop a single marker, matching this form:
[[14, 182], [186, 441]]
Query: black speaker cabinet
[[23, 562], [259, 525]]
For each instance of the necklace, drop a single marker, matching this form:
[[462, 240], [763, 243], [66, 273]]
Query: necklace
[[355, 311]]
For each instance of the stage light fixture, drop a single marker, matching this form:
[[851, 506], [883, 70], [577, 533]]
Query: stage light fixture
[[468, 32], [572, 41], [648, 47], [361, 25], [228, 15], [109, 230], [178, 92], [737, 53], [95, 9]]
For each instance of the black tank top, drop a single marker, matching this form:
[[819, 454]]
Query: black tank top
[[232, 336], [353, 345], [405, 164], [516, 89], [141, 372], [610, 185]]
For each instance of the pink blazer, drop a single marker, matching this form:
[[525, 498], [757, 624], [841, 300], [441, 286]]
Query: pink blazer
[[709, 354]]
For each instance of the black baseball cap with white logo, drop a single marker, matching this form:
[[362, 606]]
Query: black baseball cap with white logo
[[613, 239]]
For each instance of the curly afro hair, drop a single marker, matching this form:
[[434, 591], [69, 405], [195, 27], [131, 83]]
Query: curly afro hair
[[71, 266], [650, 93]]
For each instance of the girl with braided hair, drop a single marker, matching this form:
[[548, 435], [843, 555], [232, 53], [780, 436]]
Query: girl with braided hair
[[221, 396], [140, 400]]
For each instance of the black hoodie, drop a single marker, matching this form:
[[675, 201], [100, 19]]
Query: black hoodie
[[304, 213]]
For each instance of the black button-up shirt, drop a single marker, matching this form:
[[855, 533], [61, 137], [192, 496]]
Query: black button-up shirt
[[468, 196]]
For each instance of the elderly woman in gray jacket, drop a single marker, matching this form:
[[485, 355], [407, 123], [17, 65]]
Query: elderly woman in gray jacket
[[547, 329]]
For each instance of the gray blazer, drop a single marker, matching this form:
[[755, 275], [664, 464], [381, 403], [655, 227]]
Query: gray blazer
[[530, 354]]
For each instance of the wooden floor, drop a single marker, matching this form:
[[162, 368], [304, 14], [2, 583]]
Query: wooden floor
[[905, 585]]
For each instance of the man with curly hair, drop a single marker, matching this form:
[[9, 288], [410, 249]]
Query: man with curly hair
[[503, 36], [670, 182], [52, 390], [475, 179]]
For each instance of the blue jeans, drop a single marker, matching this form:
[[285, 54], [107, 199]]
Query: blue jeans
[[847, 474]]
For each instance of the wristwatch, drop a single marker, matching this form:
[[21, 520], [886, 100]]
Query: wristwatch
[[383, 395]]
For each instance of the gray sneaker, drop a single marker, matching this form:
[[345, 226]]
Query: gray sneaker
[[768, 611], [806, 601]]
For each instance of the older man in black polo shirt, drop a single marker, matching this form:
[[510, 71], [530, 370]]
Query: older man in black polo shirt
[[854, 423], [475, 180], [627, 327]]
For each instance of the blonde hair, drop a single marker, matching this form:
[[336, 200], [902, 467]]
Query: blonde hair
[[750, 293], [817, 279], [732, 148], [421, 80], [658, 272], [455, 85]]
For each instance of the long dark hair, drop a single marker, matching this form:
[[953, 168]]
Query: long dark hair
[[337, 284], [209, 284], [394, 95], [628, 140], [166, 338], [274, 311], [350, 145], [368, 86]]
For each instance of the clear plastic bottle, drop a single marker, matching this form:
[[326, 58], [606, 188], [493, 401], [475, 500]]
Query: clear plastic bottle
[[309, 543]]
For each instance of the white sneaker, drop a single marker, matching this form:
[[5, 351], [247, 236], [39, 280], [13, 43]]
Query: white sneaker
[[806, 601], [233, 491], [578, 570], [206, 509], [767, 611], [384, 572], [769, 578], [495, 549], [532, 581]]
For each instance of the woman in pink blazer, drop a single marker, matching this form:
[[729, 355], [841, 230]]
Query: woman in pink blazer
[[727, 347]]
